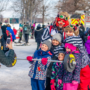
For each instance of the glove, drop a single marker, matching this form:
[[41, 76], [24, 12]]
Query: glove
[[74, 82], [59, 81], [53, 87], [52, 84], [44, 61], [29, 58]]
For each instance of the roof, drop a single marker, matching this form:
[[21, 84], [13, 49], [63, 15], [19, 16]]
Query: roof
[[76, 16]]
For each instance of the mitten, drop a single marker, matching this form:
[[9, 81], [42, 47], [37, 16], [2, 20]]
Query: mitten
[[53, 87], [74, 82], [52, 82], [29, 58], [44, 61], [59, 81]]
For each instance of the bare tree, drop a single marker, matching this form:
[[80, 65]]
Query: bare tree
[[45, 9], [72, 5], [3, 5]]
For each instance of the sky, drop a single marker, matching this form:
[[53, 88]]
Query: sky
[[9, 13]]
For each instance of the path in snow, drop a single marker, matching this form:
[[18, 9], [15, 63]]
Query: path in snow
[[16, 78]]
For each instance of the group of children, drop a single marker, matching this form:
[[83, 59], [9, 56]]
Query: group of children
[[46, 75]]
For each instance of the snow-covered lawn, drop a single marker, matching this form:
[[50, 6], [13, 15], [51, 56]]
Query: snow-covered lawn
[[16, 78]]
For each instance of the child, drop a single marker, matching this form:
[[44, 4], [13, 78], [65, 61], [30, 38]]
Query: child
[[84, 74], [57, 44], [38, 68], [56, 47], [71, 80], [57, 70]]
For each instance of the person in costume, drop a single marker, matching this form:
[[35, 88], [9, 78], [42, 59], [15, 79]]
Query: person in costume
[[61, 21], [38, 68]]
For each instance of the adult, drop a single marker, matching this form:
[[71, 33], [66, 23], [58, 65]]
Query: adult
[[81, 32], [32, 31], [7, 60], [11, 31], [26, 31], [61, 21], [20, 34], [15, 31], [4, 36], [38, 34], [34, 25]]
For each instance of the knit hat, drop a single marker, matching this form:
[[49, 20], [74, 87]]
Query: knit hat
[[57, 37], [48, 43], [70, 46], [61, 52]]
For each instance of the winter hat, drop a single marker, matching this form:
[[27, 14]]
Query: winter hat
[[57, 37], [48, 43], [61, 52], [76, 41], [70, 46], [88, 37]]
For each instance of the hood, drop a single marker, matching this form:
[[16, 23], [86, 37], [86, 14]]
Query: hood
[[38, 28]]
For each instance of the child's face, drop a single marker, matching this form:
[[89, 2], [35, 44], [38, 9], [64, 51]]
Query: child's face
[[55, 42], [68, 50], [44, 47], [69, 33], [61, 56]]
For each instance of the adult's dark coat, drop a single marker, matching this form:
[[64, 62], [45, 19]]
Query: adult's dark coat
[[6, 60]]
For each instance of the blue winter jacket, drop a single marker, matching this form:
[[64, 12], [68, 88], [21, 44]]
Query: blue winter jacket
[[38, 70], [12, 33]]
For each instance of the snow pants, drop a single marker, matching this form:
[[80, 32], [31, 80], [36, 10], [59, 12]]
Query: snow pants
[[37, 84], [26, 38], [84, 78]]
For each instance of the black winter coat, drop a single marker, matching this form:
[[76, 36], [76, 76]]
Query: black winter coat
[[38, 34], [6, 60], [4, 31]]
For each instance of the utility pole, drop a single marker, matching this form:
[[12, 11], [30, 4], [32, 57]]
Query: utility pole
[[43, 12]]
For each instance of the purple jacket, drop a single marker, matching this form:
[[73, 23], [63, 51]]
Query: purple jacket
[[87, 46]]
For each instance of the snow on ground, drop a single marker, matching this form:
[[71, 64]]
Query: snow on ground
[[16, 78]]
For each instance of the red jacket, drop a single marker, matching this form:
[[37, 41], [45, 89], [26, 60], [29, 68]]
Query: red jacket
[[15, 31]]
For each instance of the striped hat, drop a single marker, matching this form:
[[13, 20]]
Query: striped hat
[[75, 40]]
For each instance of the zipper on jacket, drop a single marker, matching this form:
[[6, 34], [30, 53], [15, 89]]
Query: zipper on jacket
[[35, 69]]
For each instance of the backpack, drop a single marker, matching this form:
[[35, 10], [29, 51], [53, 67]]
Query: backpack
[[25, 28]]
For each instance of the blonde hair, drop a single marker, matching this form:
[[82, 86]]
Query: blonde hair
[[76, 32], [68, 28]]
